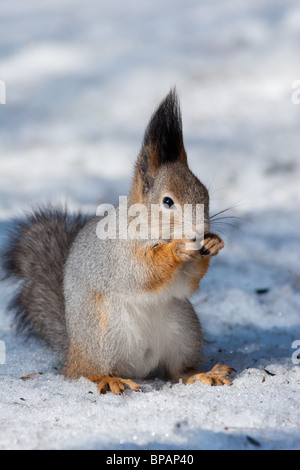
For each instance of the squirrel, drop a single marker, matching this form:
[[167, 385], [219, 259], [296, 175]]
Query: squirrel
[[117, 310]]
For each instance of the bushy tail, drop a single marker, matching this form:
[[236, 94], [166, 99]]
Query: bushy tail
[[35, 256]]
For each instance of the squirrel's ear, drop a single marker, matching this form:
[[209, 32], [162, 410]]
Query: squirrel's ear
[[163, 140], [163, 143]]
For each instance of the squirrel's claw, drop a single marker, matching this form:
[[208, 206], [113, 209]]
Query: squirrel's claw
[[212, 244], [216, 376], [115, 384]]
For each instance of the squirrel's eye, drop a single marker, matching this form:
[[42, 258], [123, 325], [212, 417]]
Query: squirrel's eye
[[167, 201]]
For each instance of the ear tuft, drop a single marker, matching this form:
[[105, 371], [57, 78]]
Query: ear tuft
[[163, 144], [163, 136]]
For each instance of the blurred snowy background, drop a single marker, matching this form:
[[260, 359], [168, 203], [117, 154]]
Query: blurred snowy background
[[82, 79]]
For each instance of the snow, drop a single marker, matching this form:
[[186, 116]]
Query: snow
[[82, 79]]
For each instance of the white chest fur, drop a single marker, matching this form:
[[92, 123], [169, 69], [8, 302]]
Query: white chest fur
[[155, 331]]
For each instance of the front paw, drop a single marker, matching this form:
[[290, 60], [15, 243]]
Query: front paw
[[185, 249], [212, 244]]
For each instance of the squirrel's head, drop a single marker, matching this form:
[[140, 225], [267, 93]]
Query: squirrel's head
[[162, 176]]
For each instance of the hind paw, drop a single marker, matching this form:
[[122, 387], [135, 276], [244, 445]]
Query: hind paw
[[218, 375], [115, 384]]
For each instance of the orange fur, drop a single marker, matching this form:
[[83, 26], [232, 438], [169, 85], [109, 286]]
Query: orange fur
[[100, 310], [76, 365], [164, 261], [202, 266], [162, 264]]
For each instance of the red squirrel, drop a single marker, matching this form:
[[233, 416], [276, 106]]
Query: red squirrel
[[117, 309]]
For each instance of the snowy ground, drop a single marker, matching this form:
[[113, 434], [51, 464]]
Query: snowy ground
[[81, 81]]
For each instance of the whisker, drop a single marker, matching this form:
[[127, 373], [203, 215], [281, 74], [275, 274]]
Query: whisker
[[224, 222], [188, 274], [222, 212], [224, 219], [233, 207], [224, 216]]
